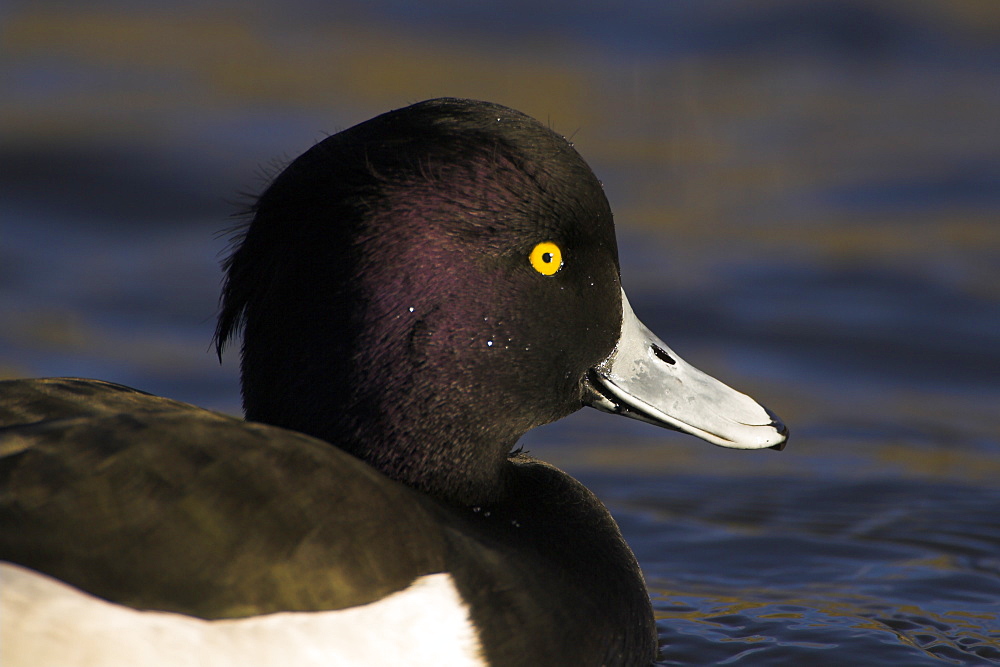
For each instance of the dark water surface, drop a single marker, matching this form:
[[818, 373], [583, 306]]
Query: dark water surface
[[808, 205]]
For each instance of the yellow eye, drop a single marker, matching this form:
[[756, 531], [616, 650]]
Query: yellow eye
[[546, 258]]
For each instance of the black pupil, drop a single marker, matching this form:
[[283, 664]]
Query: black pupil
[[546, 257]]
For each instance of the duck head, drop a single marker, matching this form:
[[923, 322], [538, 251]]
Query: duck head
[[425, 287]]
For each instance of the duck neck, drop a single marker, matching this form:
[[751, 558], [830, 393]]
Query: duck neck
[[426, 440], [438, 456]]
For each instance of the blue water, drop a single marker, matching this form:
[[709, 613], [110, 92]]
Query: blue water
[[808, 205]]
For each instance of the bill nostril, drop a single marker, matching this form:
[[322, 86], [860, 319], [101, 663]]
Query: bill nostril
[[662, 355]]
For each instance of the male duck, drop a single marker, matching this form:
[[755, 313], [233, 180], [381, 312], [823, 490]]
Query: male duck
[[414, 294]]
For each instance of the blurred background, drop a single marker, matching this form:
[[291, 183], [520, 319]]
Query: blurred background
[[807, 198]]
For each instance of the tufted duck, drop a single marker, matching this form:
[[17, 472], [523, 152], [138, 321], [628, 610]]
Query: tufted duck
[[414, 294]]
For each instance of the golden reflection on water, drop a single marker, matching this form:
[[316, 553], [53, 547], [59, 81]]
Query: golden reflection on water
[[701, 150], [211, 57]]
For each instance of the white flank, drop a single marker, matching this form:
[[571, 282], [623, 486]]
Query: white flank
[[44, 622]]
